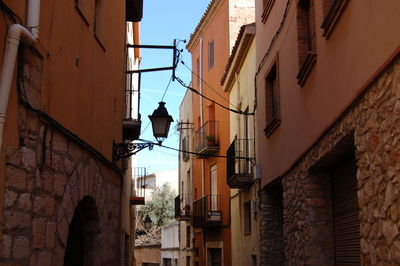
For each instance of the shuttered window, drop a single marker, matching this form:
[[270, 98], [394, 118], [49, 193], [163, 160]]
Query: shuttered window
[[346, 224]]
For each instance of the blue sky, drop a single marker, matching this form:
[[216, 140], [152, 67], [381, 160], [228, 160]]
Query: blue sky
[[164, 21]]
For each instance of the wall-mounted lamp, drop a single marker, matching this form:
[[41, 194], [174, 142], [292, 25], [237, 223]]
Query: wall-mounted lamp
[[147, 222], [160, 121]]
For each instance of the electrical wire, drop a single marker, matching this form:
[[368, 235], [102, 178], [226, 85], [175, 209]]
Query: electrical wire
[[211, 100], [14, 17], [208, 85]]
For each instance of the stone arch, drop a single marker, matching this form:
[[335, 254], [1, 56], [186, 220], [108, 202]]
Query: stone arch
[[82, 243]]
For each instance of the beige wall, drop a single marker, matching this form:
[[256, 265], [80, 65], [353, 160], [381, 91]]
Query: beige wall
[[364, 38], [150, 254], [242, 94]]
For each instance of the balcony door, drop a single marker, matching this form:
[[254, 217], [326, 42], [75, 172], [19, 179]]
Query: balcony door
[[214, 188]]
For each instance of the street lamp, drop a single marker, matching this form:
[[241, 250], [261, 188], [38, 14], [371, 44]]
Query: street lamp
[[147, 222], [160, 121]]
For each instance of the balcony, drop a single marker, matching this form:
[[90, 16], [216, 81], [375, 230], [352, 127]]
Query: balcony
[[206, 139], [138, 186], [239, 166], [183, 207], [207, 212], [131, 125]]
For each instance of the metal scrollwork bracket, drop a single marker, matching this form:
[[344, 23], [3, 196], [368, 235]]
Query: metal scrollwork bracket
[[125, 150]]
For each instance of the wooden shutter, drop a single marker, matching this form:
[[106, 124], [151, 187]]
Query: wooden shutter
[[346, 224]]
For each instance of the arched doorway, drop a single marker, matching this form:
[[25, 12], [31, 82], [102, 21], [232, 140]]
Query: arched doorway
[[82, 234]]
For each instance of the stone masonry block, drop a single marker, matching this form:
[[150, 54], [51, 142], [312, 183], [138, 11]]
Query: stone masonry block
[[13, 156], [16, 220], [28, 158], [38, 205], [16, 178], [59, 184], [60, 143], [44, 258], [49, 206], [50, 234], [21, 247], [38, 233], [25, 201], [9, 198], [62, 228], [6, 244]]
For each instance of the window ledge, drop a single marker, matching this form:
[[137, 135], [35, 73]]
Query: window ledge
[[271, 126], [306, 68], [267, 9], [333, 16]]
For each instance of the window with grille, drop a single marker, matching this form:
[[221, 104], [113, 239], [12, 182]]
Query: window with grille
[[306, 39], [272, 113], [247, 218], [211, 54]]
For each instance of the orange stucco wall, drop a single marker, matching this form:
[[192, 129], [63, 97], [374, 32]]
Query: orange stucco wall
[[217, 30], [82, 84], [365, 36]]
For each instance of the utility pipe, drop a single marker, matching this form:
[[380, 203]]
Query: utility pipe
[[16, 34]]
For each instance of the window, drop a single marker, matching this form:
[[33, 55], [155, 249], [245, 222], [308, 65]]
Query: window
[[185, 147], [267, 6], [305, 39], [272, 112], [188, 236], [167, 262], [211, 54], [187, 260], [332, 10], [215, 255], [247, 218]]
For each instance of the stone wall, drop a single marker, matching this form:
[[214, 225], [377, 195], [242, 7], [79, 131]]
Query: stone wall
[[373, 123], [271, 235], [46, 177]]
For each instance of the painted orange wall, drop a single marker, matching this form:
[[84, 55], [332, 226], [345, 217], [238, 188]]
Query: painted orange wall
[[365, 36], [87, 98], [218, 30]]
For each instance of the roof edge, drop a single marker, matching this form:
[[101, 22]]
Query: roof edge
[[242, 44], [207, 15]]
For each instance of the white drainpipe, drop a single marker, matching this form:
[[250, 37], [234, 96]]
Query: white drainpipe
[[16, 33]]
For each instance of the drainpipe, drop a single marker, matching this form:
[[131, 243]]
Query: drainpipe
[[16, 34], [201, 111]]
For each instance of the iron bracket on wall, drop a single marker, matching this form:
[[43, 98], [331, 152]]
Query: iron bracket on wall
[[174, 63], [125, 150]]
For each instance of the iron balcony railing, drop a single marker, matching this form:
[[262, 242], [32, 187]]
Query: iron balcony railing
[[183, 207], [132, 123], [206, 138], [207, 211], [239, 165], [138, 187]]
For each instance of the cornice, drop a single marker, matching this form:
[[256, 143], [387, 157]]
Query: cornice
[[208, 15]]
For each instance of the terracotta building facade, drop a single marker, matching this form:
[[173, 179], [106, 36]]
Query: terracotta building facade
[[210, 45], [60, 191], [327, 86]]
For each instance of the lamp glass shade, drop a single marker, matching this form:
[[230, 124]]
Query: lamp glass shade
[[160, 121]]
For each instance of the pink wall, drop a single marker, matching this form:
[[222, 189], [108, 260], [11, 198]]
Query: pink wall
[[366, 35]]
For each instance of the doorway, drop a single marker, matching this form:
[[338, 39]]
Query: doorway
[[82, 235]]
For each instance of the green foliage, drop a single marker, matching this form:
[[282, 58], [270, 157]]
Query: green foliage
[[161, 206]]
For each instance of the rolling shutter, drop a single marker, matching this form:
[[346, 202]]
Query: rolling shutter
[[346, 224]]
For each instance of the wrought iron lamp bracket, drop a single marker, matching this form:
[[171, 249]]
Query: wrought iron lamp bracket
[[125, 150]]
